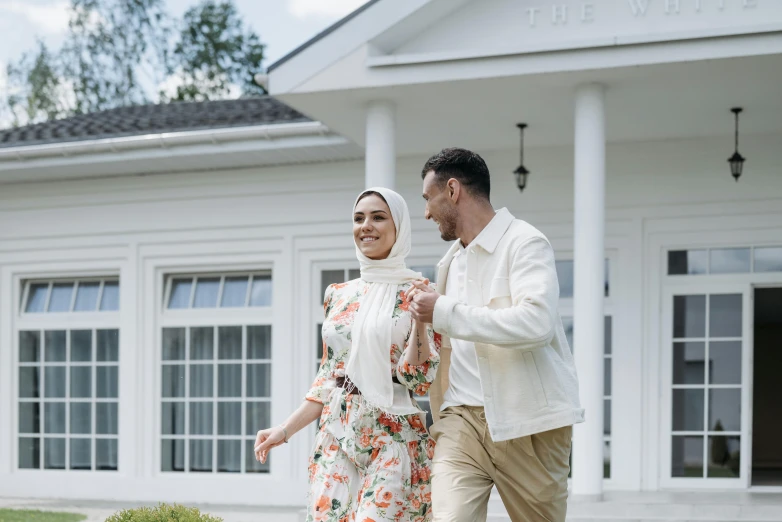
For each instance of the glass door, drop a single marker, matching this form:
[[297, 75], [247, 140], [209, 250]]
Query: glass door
[[706, 358]]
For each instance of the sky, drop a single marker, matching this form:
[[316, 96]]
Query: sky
[[281, 24]]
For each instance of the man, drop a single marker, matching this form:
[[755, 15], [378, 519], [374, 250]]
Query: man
[[506, 396]]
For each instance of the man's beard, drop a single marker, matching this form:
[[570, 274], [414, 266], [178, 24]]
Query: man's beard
[[448, 226]]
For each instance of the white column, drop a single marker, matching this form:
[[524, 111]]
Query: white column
[[380, 163], [588, 289]]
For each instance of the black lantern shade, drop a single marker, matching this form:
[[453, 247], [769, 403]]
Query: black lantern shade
[[737, 160], [521, 171]]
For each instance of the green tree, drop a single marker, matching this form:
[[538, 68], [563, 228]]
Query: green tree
[[35, 89], [216, 54]]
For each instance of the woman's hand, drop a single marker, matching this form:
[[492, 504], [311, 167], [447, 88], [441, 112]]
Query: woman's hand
[[266, 440]]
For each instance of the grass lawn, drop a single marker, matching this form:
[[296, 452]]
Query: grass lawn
[[21, 515]]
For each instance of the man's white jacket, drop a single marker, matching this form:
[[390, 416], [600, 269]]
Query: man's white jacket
[[528, 377]]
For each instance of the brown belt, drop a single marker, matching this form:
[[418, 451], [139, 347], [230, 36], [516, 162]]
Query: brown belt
[[347, 384]]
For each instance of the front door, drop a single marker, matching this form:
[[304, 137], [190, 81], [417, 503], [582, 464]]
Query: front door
[[706, 374]]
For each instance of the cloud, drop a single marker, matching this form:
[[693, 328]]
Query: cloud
[[49, 19], [330, 8]]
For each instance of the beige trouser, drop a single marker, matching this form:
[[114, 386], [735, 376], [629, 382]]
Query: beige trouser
[[530, 472]]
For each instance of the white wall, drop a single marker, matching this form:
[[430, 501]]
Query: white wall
[[290, 218]]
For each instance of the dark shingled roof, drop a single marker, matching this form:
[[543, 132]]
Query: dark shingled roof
[[153, 119]]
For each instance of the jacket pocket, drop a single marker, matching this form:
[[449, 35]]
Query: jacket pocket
[[534, 379], [498, 294]]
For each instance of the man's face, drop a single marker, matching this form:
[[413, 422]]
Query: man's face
[[440, 208]]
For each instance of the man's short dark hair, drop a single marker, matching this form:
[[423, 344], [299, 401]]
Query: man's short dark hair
[[465, 166]]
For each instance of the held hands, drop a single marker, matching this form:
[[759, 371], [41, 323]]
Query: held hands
[[266, 440], [422, 298]]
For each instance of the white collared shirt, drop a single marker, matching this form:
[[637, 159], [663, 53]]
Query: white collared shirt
[[464, 386]]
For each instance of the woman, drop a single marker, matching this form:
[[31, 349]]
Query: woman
[[372, 456]]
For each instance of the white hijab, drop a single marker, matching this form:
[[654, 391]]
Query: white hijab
[[369, 362]]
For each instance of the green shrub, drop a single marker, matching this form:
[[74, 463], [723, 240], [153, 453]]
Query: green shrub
[[163, 513]]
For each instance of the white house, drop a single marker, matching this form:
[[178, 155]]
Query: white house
[[162, 268]]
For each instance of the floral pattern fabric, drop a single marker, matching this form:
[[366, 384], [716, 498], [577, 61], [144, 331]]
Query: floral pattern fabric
[[368, 466]]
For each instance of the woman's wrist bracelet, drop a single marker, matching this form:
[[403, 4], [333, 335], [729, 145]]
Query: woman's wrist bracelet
[[285, 433]]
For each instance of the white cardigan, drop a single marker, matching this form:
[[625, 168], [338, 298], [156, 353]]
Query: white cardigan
[[528, 376]]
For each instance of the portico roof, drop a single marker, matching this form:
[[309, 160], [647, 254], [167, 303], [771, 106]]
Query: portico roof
[[466, 71]]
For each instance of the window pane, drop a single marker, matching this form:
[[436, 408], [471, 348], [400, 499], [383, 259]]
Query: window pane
[[768, 259], [81, 345], [258, 417], [81, 454], [106, 418], [687, 456], [259, 342], [201, 418], [725, 315], [107, 382], [606, 376], [206, 292], [29, 385], [29, 346], [81, 417], [725, 410], [262, 291], [684, 262], [606, 277], [230, 342], [229, 456], [54, 378], [81, 382], [54, 454], [567, 324], [234, 292], [258, 380], [330, 277], [110, 300], [689, 316], [252, 465], [54, 417], [87, 297], [729, 261], [688, 410], [725, 362], [607, 339], [229, 418], [355, 273], [173, 455], [29, 453], [36, 298], [201, 380], [173, 418], [689, 363], [106, 454], [55, 345], [202, 343], [565, 277], [60, 301], [108, 345], [29, 417], [201, 455], [173, 344], [607, 417], [180, 293], [173, 380], [229, 380], [724, 457]]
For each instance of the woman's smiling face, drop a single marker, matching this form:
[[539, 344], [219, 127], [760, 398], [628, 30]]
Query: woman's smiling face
[[373, 227]]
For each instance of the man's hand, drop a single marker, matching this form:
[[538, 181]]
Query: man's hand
[[422, 298]]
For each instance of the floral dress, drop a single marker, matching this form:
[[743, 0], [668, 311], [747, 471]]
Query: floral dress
[[368, 466]]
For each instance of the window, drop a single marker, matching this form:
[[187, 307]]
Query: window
[[215, 373], [725, 261], [565, 276], [219, 291], [69, 375]]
